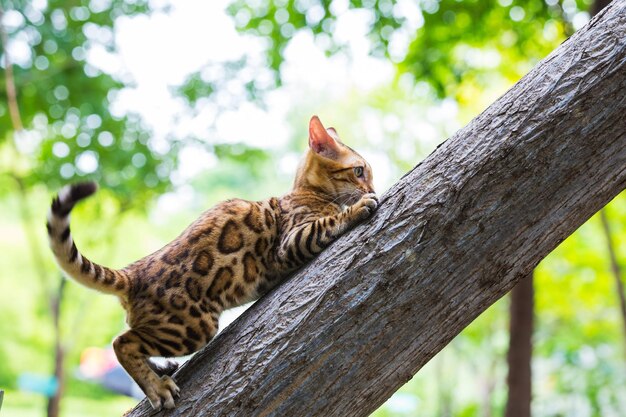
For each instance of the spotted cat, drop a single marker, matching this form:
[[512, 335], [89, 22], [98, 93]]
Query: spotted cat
[[232, 254]]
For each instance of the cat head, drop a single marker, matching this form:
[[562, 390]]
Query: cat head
[[332, 168]]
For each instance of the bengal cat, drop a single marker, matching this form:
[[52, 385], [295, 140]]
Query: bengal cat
[[232, 254]]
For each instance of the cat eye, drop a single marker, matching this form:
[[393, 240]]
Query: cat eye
[[358, 171]]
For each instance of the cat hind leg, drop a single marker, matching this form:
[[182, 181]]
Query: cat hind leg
[[133, 351]]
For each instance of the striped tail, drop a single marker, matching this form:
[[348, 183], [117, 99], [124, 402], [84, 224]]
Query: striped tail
[[74, 264]]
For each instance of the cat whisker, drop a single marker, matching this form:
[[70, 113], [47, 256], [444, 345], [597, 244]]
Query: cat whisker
[[342, 196]]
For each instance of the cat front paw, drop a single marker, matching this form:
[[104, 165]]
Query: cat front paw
[[162, 393], [366, 206]]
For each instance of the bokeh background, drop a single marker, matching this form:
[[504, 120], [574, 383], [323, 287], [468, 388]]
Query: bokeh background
[[172, 106]]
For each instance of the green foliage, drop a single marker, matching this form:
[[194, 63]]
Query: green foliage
[[69, 134], [214, 78], [469, 45], [277, 20], [468, 51], [64, 105], [457, 46], [195, 88]]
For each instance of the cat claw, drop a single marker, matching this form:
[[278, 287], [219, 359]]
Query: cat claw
[[369, 204], [371, 196], [163, 395], [174, 389]]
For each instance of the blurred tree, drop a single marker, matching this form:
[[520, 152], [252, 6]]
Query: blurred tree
[[615, 267], [457, 47], [57, 126], [519, 379], [67, 131]]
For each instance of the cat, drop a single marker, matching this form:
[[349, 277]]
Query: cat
[[232, 254]]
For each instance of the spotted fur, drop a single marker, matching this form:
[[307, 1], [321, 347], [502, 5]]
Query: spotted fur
[[232, 254]]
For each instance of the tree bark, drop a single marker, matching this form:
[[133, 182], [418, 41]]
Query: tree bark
[[450, 238], [519, 355]]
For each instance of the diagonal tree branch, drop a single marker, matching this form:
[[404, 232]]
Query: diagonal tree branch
[[450, 238]]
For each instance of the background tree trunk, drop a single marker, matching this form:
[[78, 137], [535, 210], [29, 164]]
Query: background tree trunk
[[598, 5], [615, 269], [450, 238], [54, 402], [519, 379]]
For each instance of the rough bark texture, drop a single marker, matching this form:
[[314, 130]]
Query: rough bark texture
[[450, 238], [519, 355]]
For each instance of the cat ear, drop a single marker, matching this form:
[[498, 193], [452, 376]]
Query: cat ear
[[321, 141], [333, 133]]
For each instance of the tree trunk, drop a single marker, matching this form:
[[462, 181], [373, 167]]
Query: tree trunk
[[599, 5], [450, 238], [615, 269], [520, 349], [54, 402]]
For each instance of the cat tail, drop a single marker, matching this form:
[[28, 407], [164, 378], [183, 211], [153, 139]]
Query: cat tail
[[72, 262]]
